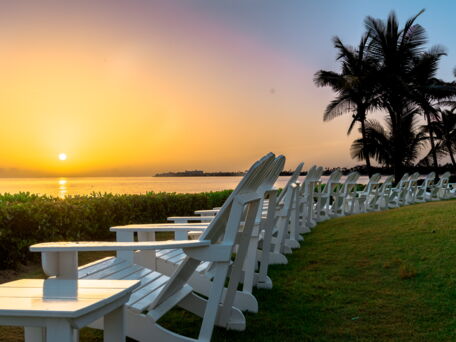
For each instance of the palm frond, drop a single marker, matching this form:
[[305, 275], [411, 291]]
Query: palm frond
[[337, 107]]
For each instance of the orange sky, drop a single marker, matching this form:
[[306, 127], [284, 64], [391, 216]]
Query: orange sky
[[134, 88]]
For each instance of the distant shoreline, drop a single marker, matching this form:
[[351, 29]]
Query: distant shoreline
[[199, 173]]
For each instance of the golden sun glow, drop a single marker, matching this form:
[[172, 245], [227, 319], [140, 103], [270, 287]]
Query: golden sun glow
[[62, 156]]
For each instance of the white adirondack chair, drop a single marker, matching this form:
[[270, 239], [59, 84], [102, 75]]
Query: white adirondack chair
[[441, 190], [324, 194], [302, 199], [292, 180], [398, 193], [292, 228], [428, 183], [283, 239], [167, 261], [344, 197], [412, 188], [159, 293], [381, 199], [368, 196], [305, 198]]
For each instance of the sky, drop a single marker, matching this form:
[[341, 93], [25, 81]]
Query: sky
[[143, 86]]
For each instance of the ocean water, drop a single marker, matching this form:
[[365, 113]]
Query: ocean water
[[62, 187]]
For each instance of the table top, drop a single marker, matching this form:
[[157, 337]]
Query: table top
[[59, 297]]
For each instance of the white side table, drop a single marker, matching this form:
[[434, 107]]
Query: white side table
[[50, 309]]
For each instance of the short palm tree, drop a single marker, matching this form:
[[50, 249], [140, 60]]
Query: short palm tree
[[383, 146], [445, 131], [354, 87], [426, 90]]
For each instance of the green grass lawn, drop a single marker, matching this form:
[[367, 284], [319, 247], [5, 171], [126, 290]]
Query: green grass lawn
[[388, 276]]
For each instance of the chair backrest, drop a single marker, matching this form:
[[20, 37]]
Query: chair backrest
[[273, 173], [373, 191], [421, 189], [293, 179], [350, 183], [332, 183], [443, 185], [373, 184], [346, 192], [428, 180], [414, 177], [318, 172], [386, 186], [413, 181], [350, 180], [225, 226], [444, 179], [403, 182], [250, 184], [412, 188], [310, 177]]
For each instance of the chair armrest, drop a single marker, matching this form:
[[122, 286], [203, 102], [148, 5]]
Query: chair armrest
[[180, 230], [160, 227], [207, 212], [185, 219], [60, 259], [95, 246]]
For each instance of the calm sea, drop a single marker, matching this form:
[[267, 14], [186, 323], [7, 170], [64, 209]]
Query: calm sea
[[62, 187]]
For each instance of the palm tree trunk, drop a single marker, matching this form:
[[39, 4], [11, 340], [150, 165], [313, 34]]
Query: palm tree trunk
[[365, 147], [397, 160], [431, 138]]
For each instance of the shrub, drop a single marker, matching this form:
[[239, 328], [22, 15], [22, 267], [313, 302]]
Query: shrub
[[26, 218]]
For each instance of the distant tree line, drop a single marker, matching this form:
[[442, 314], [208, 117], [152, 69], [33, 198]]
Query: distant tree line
[[199, 173], [392, 71]]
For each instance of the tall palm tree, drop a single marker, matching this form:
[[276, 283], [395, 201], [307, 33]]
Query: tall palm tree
[[354, 87], [396, 51], [382, 144]]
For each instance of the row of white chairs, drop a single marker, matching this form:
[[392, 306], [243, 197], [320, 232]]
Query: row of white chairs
[[219, 255]]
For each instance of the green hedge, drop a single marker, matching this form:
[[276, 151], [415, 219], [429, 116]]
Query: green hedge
[[26, 219]]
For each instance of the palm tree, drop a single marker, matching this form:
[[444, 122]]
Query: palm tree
[[396, 52], [445, 131], [426, 90], [383, 146], [354, 87]]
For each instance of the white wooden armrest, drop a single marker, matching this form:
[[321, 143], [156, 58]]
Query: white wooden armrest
[[180, 230], [95, 246], [60, 259], [160, 227], [184, 219], [207, 212]]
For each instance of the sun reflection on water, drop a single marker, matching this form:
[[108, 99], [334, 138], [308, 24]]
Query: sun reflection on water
[[62, 187]]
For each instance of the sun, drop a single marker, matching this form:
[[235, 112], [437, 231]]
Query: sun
[[62, 156]]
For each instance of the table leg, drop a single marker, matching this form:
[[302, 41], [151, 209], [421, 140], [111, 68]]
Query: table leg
[[34, 334], [59, 330], [114, 326]]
